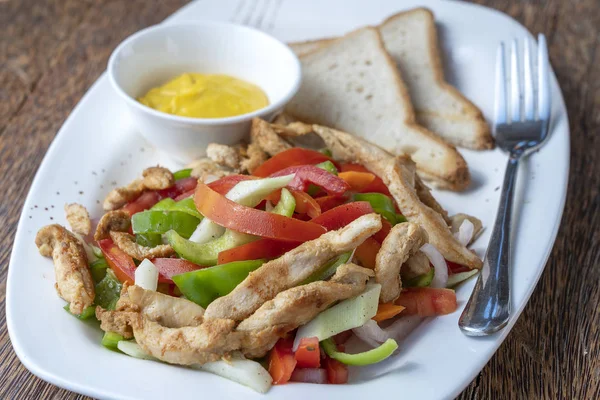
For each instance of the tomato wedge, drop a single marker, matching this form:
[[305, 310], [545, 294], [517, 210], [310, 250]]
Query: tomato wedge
[[235, 216], [282, 361], [306, 174], [367, 253], [121, 264], [143, 202], [376, 186], [226, 183], [304, 203], [341, 216], [384, 231], [358, 181], [263, 248], [427, 302], [289, 158], [167, 267], [454, 268], [337, 373], [308, 354], [328, 202]]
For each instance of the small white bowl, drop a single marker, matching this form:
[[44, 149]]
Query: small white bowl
[[153, 56]]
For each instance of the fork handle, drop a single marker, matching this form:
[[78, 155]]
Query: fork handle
[[489, 307]]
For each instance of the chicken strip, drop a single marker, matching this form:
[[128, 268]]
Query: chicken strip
[[112, 221], [291, 269], [224, 155], [403, 241], [398, 175], [263, 135], [73, 277], [297, 306], [254, 156], [153, 178], [416, 265], [207, 170], [78, 219], [424, 193], [117, 321], [127, 243]]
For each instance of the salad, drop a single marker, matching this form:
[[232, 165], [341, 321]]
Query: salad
[[264, 263]]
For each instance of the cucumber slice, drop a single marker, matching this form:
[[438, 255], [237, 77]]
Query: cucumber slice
[[246, 372], [421, 280], [110, 340], [131, 348], [455, 279], [348, 314]]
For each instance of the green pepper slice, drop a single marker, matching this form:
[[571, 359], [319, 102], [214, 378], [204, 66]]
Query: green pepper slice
[[286, 205], [148, 239], [87, 312], [98, 269], [110, 340], [108, 291], [153, 221], [328, 166], [381, 204], [372, 356], [205, 285], [185, 205], [206, 253], [182, 173], [327, 270]]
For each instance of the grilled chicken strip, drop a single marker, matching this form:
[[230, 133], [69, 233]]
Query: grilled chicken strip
[[297, 306], [403, 241], [263, 135], [291, 269], [153, 178], [399, 176], [417, 264], [78, 218], [112, 221], [127, 243], [73, 277]]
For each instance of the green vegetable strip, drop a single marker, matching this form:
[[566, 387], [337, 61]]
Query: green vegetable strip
[[98, 269], [381, 204], [152, 221], [206, 253], [148, 239], [327, 270], [182, 173], [205, 285], [87, 312], [372, 356], [108, 291], [326, 151], [110, 340], [185, 205], [286, 205], [421, 280], [328, 166]]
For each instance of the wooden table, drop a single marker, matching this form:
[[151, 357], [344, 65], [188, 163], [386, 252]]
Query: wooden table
[[52, 51]]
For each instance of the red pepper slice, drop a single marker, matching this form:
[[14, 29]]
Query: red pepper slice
[[235, 216], [289, 158], [328, 202], [341, 216], [121, 264], [454, 268], [263, 248], [384, 231], [367, 253], [167, 267], [143, 202], [306, 174], [337, 373]]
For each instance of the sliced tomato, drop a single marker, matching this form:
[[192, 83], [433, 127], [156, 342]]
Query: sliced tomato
[[367, 253], [185, 195], [386, 311], [263, 248], [282, 361], [304, 203], [454, 268], [308, 354], [121, 264], [384, 231], [376, 186], [341, 216], [289, 158], [145, 201], [427, 302], [337, 373], [328, 202], [167, 267], [307, 174], [235, 216], [226, 183], [181, 186], [357, 181]]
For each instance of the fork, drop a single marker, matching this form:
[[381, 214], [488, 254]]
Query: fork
[[518, 134]]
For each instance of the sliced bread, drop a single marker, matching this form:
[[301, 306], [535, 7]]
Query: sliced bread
[[411, 39], [352, 84]]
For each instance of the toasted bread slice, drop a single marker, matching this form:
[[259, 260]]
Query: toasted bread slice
[[353, 85], [303, 48], [411, 39]]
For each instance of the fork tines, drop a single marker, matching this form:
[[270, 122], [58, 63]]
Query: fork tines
[[527, 93]]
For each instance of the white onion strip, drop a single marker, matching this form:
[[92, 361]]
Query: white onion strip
[[440, 277], [465, 232]]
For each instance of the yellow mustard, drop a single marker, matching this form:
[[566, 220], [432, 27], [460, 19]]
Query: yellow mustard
[[205, 96]]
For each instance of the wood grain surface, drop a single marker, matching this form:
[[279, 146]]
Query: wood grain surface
[[52, 51]]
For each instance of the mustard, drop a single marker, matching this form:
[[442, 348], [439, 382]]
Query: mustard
[[205, 96]]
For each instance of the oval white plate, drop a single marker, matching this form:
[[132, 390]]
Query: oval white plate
[[98, 148]]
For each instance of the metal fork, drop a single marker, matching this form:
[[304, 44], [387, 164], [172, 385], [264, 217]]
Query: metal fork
[[519, 134]]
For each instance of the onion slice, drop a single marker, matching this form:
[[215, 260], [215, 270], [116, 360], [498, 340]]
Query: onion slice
[[440, 277], [465, 232], [309, 375]]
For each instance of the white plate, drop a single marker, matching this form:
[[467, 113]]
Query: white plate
[[97, 148]]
